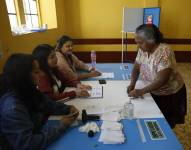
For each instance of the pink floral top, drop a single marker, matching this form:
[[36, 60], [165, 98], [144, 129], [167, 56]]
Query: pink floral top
[[163, 57]]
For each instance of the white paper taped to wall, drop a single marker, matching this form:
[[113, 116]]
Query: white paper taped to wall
[[132, 18]]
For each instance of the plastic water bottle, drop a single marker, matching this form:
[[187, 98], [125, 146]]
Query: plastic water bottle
[[129, 110], [93, 59]]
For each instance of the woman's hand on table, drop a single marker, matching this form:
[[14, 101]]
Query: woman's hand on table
[[82, 92], [130, 88], [67, 120], [136, 93], [84, 86], [95, 73]]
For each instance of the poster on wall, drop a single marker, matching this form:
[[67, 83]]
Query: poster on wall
[[151, 16], [132, 18]]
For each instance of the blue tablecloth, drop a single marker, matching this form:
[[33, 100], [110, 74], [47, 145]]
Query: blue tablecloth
[[121, 71], [74, 140]]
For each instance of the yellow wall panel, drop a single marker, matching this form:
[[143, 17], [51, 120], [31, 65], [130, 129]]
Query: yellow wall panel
[[48, 13], [151, 3], [175, 18], [96, 18], [103, 19]]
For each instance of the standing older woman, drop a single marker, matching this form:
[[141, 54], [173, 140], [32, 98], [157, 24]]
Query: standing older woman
[[68, 63], [156, 65]]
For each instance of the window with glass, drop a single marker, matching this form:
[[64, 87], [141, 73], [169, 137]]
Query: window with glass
[[31, 13], [12, 13], [23, 15]]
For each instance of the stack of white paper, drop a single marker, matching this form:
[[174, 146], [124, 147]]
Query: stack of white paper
[[106, 75], [111, 129], [110, 125], [97, 109], [112, 137], [96, 92], [111, 116], [94, 109]]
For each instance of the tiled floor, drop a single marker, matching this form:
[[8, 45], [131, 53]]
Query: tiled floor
[[183, 132]]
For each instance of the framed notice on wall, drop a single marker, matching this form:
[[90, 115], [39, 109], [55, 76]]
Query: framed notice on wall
[[151, 16]]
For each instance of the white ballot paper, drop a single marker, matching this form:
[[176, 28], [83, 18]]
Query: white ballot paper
[[96, 92], [110, 125], [106, 75], [111, 116], [112, 137]]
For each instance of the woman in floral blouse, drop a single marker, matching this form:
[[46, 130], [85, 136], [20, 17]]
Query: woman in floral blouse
[[156, 65]]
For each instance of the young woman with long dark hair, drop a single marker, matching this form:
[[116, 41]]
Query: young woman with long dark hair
[[24, 110], [51, 81]]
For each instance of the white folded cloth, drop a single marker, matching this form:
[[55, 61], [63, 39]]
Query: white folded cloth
[[111, 137], [110, 125], [89, 126], [111, 116]]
